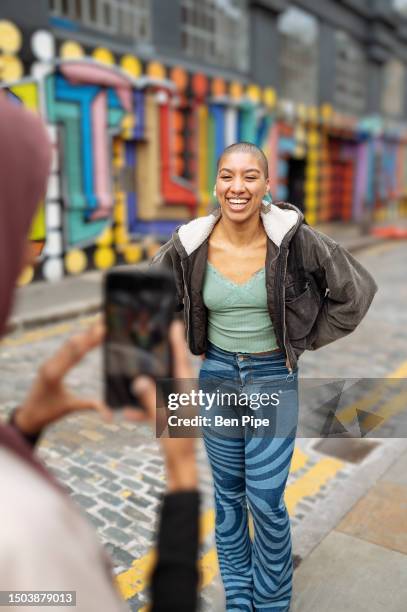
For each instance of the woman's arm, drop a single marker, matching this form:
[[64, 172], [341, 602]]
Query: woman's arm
[[49, 399], [175, 576], [174, 584], [349, 288]]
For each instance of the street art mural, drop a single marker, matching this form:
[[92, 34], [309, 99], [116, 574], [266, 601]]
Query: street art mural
[[135, 148]]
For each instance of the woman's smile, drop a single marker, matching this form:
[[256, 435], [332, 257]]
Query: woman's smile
[[237, 204]]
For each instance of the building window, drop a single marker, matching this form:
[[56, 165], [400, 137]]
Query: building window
[[350, 74], [216, 31], [393, 87], [127, 18], [298, 60]]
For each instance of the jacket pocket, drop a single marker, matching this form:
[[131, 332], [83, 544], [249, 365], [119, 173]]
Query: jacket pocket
[[301, 313]]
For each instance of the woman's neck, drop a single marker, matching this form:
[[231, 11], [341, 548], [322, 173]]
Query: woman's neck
[[241, 234]]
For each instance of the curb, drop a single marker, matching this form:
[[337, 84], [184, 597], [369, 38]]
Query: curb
[[76, 309], [362, 242], [71, 311]]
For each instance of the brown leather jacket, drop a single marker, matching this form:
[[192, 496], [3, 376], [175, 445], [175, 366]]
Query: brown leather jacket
[[317, 292]]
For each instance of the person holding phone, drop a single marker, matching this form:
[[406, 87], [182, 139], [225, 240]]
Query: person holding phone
[[258, 287], [45, 543]]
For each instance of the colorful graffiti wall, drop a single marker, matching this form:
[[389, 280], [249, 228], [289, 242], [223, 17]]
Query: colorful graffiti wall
[[135, 147]]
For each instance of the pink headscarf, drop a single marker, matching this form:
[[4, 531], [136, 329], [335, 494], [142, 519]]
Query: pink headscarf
[[25, 155]]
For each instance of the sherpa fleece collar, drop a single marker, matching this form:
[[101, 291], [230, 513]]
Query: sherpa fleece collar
[[278, 220]]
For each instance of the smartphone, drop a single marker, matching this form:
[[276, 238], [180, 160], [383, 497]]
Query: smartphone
[[139, 305]]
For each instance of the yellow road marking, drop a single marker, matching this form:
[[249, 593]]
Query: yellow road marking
[[400, 372], [310, 483], [299, 460], [36, 335], [135, 579], [209, 568], [348, 413], [207, 523], [386, 411]]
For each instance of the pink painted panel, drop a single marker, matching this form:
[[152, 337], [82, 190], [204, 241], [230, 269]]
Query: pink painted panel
[[91, 74], [101, 159]]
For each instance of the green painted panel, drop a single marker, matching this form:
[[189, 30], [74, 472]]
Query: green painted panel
[[248, 125], [114, 117]]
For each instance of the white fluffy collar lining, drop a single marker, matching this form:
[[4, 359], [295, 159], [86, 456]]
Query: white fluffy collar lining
[[277, 223]]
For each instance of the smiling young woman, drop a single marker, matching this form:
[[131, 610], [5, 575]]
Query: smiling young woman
[[237, 244], [258, 287]]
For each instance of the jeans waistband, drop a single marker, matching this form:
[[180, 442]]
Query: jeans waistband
[[230, 357]]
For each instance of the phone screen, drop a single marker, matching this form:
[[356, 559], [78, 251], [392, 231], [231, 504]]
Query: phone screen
[[139, 307]]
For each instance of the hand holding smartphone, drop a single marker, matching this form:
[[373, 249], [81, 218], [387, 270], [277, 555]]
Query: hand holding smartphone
[[139, 307]]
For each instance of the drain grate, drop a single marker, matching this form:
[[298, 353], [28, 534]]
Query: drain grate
[[348, 449]]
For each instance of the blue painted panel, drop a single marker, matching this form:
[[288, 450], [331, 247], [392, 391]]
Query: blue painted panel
[[282, 168], [286, 145], [282, 192], [218, 113]]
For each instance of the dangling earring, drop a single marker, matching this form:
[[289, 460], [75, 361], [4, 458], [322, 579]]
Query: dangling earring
[[266, 202]]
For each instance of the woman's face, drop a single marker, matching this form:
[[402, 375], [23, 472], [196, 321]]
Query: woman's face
[[240, 186]]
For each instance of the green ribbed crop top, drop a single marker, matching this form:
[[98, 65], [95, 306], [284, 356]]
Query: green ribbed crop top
[[238, 317]]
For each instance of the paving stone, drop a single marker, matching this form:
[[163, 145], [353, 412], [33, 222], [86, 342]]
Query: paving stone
[[103, 471], [117, 535], [156, 470], [100, 458], [132, 461], [125, 469], [110, 499], [346, 573], [113, 487], [84, 487], [149, 534], [111, 427], [140, 501], [397, 473], [97, 522], [80, 472], [84, 500], [113, 454], [94, 436], [60, 474], [135, 485], [380, 517], [119, 556], [83, 458], [114, 517], [153, 481], [135, 603], [136, 514]]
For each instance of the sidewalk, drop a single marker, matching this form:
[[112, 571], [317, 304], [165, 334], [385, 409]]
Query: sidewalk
[[362, 564], [44, 302]]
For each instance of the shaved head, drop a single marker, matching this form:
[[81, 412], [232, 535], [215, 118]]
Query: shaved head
[[247, 147]]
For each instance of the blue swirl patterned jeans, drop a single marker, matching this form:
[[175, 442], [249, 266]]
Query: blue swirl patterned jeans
[[250, 465]]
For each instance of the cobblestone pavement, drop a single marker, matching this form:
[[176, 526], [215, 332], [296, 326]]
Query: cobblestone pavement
[[114, 471]]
